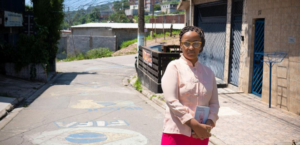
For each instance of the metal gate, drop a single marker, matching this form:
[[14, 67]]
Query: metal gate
[[258, 64], [235, 48], [211, 17]]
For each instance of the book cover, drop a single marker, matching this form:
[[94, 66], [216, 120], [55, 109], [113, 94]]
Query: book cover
[[201, 114]]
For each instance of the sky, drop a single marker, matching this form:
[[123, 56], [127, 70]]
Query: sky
[[78, 4]]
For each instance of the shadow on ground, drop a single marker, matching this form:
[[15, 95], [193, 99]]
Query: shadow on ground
[[67, 78]]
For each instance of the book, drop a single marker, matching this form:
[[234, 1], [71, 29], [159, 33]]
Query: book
[[201, 114]]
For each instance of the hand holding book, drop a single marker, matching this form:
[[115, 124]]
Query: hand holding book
[[201, 114]]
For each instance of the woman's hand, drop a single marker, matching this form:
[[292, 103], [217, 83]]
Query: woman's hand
[[201, 130], [210, 123]]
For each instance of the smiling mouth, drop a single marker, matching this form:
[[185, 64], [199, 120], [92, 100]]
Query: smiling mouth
[[191, 53]]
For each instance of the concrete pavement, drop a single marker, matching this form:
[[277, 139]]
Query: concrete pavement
[[87, 104], [88, 100], [13, 91], [245, 120]]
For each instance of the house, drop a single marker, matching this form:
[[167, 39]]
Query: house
[[171, 18], [147, 4], [237, 33], [168, 8], [134, 7], [131, 12], [167, 1]]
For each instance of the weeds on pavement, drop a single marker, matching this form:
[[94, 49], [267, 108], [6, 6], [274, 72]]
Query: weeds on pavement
[[137, 85]]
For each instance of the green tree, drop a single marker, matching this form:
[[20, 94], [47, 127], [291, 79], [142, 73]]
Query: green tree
[[174, 2], [121, 5], [28, 8], [119, 17], [95, 15], [157, 7], [49, 14]]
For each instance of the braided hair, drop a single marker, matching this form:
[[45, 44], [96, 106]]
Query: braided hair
[[195, 29]]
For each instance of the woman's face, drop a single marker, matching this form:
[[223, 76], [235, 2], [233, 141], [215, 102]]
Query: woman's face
[[190, 45]]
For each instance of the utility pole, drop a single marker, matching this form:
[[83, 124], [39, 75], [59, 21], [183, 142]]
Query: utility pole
[[69, 16], [164, 26], [155, 30], [141, 24], [190, 13], [152, 16]]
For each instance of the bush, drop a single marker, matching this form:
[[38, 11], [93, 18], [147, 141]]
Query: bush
[[98, 53], [29, 49], [91, 54], [127, 43]]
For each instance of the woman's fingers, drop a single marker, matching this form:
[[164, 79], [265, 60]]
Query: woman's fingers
[[195, 136]]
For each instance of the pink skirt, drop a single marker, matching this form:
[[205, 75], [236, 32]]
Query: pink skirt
[[179, 139]]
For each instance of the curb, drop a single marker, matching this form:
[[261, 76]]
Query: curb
[[129, 81], [216, 141], [10, 107], [22, 100], [36, 94], [158, 99]]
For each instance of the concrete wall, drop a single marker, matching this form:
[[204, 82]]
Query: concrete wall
[[131, 12], [84, 43], [168, 19], [93, 31], [25, 72], [62, 44], [83, 37], [125, 34]]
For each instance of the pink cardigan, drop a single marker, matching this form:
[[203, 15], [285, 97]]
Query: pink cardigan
[[185, 87]]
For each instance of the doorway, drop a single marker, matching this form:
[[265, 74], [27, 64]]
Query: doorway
[[257, 76]]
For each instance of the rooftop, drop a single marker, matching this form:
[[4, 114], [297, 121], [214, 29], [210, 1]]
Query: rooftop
[[128, 25]]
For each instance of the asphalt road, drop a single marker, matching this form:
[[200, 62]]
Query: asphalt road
[[88, 104]]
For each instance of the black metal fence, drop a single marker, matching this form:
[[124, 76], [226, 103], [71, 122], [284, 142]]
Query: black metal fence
[[150, 74]]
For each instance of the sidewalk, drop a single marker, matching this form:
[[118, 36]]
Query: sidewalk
[[14, 90], [245, 120]]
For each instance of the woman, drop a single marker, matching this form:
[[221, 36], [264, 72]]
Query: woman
[[187, 84]]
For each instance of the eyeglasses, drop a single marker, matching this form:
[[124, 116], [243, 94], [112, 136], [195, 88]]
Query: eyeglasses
[[195, 44]]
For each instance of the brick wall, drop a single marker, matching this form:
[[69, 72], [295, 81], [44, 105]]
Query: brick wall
[[84, 43], [169, 19]]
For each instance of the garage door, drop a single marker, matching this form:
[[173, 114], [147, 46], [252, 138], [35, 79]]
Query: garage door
[[211, 17]]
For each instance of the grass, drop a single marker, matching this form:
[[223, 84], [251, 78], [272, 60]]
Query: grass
[[159, 97], [91, 54], [138, 85], [129, 42], [152, 97]]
